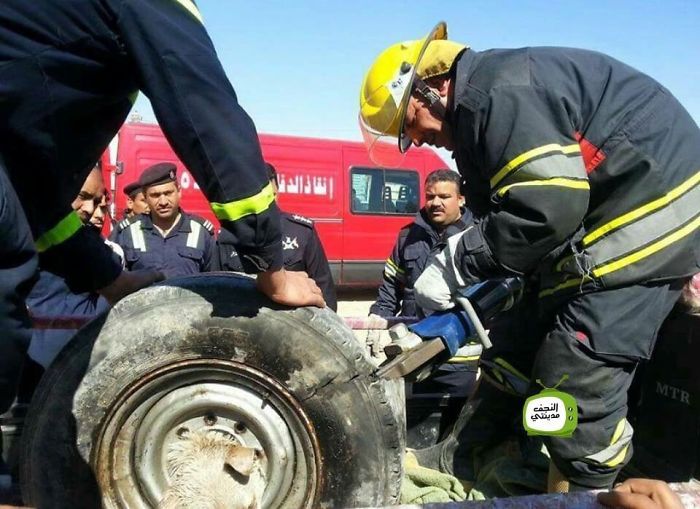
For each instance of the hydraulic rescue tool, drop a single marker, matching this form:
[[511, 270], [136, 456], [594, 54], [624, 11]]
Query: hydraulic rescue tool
[[414, 346]]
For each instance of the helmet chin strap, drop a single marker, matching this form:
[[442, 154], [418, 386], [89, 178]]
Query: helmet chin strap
[[429, 96]]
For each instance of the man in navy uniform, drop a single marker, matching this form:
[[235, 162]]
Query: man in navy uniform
[[301, 248], [51, 296], [442, 216], [69, 74], [135, 200], [167, 238]]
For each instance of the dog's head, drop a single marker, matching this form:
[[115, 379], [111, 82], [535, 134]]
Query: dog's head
[[211, 469]]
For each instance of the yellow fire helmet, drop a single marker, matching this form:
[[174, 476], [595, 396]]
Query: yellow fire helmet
[[387, 88]]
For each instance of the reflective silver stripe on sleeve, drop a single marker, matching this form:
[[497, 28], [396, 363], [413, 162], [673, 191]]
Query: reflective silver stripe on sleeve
[[647, 229], [137, 238], [551, 166], [537, 153], [389, 272], [553, 182], [615, 453], [191, 8], [393, 272], [193, 236]]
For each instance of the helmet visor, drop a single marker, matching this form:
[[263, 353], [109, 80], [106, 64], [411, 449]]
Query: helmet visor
[[381, 147]]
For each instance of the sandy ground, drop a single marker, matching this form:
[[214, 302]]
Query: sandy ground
[[355, 302]]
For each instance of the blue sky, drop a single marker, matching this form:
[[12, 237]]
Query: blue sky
[[297, 65]]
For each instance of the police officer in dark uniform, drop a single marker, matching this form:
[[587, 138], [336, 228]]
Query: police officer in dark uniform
[[303, 251], [135, 200], [301, 248], [51, 296], [166, 239]]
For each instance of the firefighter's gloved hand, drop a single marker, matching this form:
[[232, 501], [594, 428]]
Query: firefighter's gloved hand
[[437, 285], [373, 338]]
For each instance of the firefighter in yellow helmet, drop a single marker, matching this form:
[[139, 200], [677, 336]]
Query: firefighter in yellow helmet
[[583, 176], [401, 71]]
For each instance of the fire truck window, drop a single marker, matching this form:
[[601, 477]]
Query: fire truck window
[[378, 191]]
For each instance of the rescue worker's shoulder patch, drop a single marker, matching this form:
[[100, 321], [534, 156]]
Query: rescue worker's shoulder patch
[[125, 223], [208, 225], [296, 218]]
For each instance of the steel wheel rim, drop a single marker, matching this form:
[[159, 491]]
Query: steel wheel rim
[[150, 414]]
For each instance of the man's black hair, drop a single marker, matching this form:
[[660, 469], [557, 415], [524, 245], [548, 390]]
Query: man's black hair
[[444, 175]]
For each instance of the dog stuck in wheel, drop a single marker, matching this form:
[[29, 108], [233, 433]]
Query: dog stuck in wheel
[[210, 469]]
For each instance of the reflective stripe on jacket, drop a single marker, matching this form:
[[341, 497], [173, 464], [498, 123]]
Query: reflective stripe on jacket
[[407, 261], [580, 167], [69, 73]]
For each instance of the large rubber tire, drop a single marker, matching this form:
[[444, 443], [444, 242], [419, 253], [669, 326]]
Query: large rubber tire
[[211, 351]]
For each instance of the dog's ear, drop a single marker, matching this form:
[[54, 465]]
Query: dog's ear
[[241, 459]]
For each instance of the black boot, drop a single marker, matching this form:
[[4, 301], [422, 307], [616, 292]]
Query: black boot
[[487, 417]]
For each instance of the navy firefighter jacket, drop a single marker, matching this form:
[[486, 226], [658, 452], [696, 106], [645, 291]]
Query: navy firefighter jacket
[[415, 243], [69, 73], [579, 168]]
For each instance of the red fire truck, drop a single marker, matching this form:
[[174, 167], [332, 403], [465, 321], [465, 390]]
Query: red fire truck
[[357, 207]]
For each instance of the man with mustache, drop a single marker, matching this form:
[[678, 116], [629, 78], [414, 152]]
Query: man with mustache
[[51, 295], [167, 238], [442, 216]]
